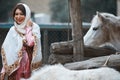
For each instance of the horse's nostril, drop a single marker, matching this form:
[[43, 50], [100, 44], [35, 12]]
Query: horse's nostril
[[95, 28]]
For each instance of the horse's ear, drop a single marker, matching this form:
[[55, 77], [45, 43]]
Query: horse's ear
[[102, 18], [97, 12]]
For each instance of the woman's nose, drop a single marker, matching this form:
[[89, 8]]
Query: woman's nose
[[18, 16]]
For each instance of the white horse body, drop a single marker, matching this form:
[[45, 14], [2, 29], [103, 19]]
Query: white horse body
[[104, 30], [58, 72]]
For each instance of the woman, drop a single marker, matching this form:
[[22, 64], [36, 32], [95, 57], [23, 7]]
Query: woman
[[21, 49]]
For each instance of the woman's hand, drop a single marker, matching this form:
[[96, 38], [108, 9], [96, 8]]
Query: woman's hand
[[29, 23]]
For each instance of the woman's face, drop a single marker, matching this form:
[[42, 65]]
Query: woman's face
[[19, 17]]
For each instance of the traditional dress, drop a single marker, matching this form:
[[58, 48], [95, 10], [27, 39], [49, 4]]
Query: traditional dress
[[21, 49]]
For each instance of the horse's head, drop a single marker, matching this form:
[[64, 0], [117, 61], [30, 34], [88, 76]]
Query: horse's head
[[98, 33]]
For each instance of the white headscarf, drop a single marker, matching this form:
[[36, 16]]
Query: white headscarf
[[20, 27]]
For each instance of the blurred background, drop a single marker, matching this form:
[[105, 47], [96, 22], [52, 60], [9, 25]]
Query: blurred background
[[53, 18], [44, 11]]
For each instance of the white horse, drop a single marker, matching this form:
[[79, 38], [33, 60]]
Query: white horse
[[59, 72], [104, 30]]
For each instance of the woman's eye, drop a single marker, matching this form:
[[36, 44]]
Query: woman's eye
[[21, 13], [16, 13]]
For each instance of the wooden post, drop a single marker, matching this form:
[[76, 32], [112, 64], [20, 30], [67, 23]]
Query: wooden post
[[77, 34], [118, 7], [45, 46]]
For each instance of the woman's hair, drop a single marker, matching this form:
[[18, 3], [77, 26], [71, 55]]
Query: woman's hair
[[21, 7]]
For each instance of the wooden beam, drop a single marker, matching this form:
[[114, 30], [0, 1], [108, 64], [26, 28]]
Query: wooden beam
[[113, 61], [66, 47]]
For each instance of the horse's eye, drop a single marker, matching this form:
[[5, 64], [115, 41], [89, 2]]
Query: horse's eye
[[107, 16], [95, 28]]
